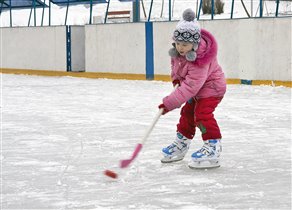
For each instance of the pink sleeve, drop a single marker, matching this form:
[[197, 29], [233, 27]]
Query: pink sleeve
[[190, 86]]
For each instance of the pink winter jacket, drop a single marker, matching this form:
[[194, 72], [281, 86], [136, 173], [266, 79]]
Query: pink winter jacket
[[201, 78]]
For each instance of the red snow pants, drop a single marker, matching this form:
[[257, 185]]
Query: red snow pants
[[199, 113]]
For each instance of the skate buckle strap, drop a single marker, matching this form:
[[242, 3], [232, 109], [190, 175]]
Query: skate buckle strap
[[179, 145], [205, 150]]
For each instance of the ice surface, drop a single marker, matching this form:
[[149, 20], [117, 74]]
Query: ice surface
[[60, 133]]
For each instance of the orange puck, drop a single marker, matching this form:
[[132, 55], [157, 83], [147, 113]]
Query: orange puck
[[111, 174]]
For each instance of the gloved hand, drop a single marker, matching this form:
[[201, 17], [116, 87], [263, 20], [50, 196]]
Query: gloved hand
[[176, 81], [165, 110]]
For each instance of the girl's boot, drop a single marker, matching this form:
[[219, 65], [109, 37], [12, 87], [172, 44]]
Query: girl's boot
[[208, 156], [177, 150]]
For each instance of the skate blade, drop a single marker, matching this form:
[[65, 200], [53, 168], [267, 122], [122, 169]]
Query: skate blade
[[168, 159], [203, 164]]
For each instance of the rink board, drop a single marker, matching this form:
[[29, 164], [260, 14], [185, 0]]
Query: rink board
[[166, 78]]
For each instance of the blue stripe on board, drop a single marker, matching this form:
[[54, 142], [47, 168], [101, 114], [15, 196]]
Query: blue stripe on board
[[149, 51], [68, 47], [246, 82]]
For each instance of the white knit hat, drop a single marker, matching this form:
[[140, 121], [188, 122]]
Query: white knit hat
[[188, 29]]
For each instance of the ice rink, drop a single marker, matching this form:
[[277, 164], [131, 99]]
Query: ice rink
[[58, 135]]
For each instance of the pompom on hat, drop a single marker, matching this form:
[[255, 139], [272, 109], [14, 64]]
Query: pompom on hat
[[188, 29]]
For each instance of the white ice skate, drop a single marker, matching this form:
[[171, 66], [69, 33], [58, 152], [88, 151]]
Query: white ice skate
[[177, 150], [208, 156]]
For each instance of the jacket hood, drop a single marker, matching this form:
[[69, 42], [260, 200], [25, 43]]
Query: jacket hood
[[207, 50]]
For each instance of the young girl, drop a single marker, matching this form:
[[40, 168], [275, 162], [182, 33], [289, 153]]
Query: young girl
[[201, 87]]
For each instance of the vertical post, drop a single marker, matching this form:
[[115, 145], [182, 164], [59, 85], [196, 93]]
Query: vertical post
[[200, 7], [150, 10], [90, 15], [67, 12], [277, 8], [49, 12], [68, 47], [212, 9], [232, 8], [136, 10], [34, 12], [261, 8], [149, 51], [251, 8], [105, 17], [10, 11], [43, 13], [29, 17], [197, 8], [1, 8], [169, 10]]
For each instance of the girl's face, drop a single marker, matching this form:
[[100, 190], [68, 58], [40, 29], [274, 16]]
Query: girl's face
[[183, 47]]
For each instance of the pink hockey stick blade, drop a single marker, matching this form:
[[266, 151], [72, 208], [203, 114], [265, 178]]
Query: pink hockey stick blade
[[126, 163]]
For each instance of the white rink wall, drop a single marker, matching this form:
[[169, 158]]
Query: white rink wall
[[251, 49], [115, 48], [36, 48], [78, 48], [262, 50]]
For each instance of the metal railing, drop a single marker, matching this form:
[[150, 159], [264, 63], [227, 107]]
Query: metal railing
[[8, 5]]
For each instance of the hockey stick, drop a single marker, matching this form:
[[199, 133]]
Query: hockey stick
[[125, 163]]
